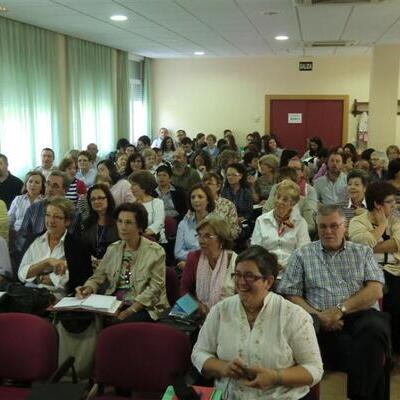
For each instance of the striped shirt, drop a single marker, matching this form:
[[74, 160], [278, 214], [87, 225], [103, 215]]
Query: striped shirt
[[324, 279]]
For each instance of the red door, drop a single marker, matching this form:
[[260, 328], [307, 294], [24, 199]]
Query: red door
[[293, 121]]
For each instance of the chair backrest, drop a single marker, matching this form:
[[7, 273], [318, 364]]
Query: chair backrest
[[28, 347], [141, 356], [171, 226], [171, 285]]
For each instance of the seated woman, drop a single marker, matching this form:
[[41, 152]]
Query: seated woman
[[283, 229], [120, 188], [223, 207], [121, 163], [379, 228], [100, 229], [237, 191], [257, 344], [56, 260], [135, 163], [85, 173], [167, 148], [133, 267], [357, 182], [76, 188], [201, 204], [268, 166], [143, 186], [150, 159], [207, 275], [201, 162], [32, 191], [172, 196]]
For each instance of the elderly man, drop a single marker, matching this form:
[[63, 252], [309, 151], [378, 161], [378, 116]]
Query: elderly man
[[33, 224], [93, 150], [339, 283], [183, 176], [10, 185], [331, 188], [47, 157], [162, 134]]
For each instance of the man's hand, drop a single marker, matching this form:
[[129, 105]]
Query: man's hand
[[331, 319], [124, 314]]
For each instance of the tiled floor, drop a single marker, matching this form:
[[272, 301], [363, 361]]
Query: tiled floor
[[333, 386]]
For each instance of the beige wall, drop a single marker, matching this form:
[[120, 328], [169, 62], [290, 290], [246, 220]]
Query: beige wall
[[210, 95]]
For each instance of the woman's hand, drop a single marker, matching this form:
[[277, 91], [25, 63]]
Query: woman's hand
[[59, 266], [264, 378], [380, 216], [234, 369], [124, 314], [83, 291]]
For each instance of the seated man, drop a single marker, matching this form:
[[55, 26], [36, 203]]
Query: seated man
[[340, 282]]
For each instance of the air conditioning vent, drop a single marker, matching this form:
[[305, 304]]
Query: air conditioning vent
[[331, 43], [322, 2]]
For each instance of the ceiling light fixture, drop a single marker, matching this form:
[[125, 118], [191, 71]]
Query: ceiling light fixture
[[118, 18], [3, 9], [199, 53], [281, 37]]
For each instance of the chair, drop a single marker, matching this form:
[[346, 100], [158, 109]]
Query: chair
[[171, 226], [172, 285], [28, 353], [141, 358]]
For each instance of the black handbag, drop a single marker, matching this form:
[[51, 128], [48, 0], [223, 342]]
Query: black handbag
[[30, 300]]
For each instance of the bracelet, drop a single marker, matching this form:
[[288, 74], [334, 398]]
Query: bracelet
[[279, 377]]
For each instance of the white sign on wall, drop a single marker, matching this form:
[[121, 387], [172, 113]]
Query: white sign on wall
[[295, 118]]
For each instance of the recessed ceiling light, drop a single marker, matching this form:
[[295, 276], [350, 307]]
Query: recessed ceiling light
[[199, 53], [281, 37], [118, 18]]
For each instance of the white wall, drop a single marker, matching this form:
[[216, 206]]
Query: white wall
[[210, 95]]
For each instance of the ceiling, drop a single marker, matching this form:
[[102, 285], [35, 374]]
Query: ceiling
[[220, 28]]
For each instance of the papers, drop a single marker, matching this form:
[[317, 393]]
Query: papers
[[94, 302]]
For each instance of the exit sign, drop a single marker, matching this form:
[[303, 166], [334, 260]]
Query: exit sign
[[305, 66]]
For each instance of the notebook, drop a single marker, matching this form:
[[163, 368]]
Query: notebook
[[184, 307], [94, 302]]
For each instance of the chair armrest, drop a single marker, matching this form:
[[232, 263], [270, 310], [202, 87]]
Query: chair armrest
[[62, 369]]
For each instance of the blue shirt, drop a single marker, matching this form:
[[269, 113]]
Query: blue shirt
[[330, 192], [324, 279], [186, 237]]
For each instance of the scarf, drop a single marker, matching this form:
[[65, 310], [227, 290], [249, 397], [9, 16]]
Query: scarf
[[209, 282], [283, 223]]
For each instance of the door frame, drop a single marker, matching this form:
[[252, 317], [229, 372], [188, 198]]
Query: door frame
[[341, 97]]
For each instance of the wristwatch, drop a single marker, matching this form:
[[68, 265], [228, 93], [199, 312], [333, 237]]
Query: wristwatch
[[342, 308]]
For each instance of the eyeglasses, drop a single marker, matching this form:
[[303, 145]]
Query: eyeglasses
[[333, 227], [206, 236], [101, 198], [249, 277]]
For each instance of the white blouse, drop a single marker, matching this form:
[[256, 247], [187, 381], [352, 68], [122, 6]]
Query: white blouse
[[122, 193], [18, 209], [265, 234], [156, 217], [283, 336]]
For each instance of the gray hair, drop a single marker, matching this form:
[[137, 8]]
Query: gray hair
[[325, 210], [63, 175]]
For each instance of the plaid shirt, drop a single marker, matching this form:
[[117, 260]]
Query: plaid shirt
[[324, 279]]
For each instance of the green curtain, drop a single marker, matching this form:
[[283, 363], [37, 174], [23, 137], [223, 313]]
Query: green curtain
[[122, 94], [92, 89], [29, 94], [147, 97]]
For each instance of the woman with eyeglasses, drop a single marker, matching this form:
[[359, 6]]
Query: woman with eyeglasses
[[283, 229], [379, 228], [207, 275], [256, 344], [100, 229], [56, 260]]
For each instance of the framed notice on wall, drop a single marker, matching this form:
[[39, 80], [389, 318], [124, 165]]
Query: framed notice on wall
[[295, 118]]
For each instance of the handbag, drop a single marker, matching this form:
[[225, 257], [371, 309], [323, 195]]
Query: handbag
[[30, 300]]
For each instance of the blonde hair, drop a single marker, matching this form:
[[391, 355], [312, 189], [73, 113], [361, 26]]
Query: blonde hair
[[289, 188], [271, 160], [221, 229]]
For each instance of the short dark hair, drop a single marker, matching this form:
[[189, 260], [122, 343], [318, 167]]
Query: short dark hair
[[377, 192], [48, 149], [61, 174], [287, 155], [4, 157], [249, 156], [206, 158], [287, 173], [266, 262], [136, 208], [145, 179], [393, 168], [145, 140], [359, 173], [186, 140], [112, 169], [207, 191], [122, 143], [164, 168], [335, 152]]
